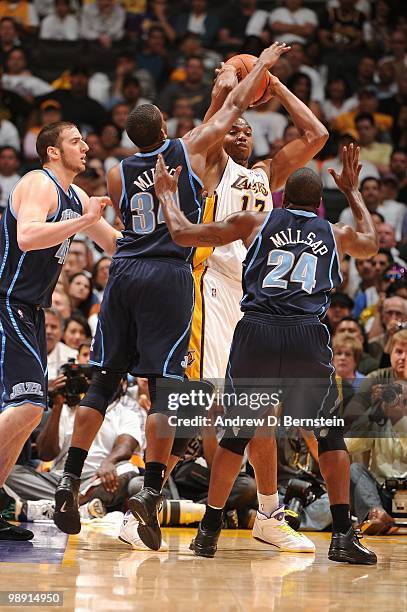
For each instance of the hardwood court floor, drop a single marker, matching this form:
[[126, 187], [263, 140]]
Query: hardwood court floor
[[97, 572]]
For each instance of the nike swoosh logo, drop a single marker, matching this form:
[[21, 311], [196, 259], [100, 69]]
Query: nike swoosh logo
[[63, 507]]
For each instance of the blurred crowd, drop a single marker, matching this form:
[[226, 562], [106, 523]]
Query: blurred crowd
[[92, 62]]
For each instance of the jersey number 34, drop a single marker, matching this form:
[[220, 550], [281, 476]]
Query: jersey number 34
[[303, 272], [144, 217]]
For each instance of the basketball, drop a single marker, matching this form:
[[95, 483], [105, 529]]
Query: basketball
[[244, 64]]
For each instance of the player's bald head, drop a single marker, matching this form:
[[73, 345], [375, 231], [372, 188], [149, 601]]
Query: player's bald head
[[303, 189]]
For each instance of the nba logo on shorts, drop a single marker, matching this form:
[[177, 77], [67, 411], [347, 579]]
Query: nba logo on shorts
[[213, 291]]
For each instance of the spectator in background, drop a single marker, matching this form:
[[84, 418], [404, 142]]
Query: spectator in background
[[76, 331], [103, 21], [352, 327], [80, 292], [370, 149], [181, 109], [126, 69], [297, 60], [130, 92], [234, 24], [341, 37], [365, 76], [267, 127], [377, 32], [337, 99], [22, 12], [81, 250], [388, 320], [398, 45], [398, 167], [62, 303], [8, 38], [189, 45], [58, 353], [341, 306], [387, 240], [367, 103], [9, 135], [370, 189], [9, 164], [119, 114], [347, 350], [100, 276], [138, 24], [368, 170], [199, 21], [50, 111], [60, 25], [366, 294], [300, 84], [386, 85], [153, 56], [76, 104], [293, 22], [193, 88], [19, 79], [393, 210]]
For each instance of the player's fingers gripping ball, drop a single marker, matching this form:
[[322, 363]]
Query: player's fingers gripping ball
[[244, 64]]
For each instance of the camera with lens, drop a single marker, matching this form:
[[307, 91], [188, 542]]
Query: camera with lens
[[397, 487], [78, 377], [390, 394], [298, 495]]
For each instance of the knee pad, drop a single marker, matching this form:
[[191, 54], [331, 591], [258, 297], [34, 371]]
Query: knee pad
[[233, 444], [102, 389], [334, 441]]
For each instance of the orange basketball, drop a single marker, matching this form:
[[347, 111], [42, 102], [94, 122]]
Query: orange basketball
[[244, 64]]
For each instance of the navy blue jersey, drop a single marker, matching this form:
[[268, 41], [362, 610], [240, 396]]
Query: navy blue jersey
[[30, 276], [145, 231], [291, 266]]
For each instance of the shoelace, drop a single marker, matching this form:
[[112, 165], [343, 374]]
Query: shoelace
[[285, 527]]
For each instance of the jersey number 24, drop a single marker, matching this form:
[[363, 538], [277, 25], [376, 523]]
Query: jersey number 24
[[303, 272]]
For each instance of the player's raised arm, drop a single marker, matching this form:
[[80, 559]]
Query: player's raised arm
[[363, 241], [33, 232], [237, 226], [199, 140], [297, 153]]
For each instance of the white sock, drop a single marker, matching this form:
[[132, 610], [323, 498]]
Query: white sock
[[267, 504]]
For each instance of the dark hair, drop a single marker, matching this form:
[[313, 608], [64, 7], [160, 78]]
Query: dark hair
[[96, 270], [13, 21], [334, 80], [295, 78], [369, 178], [398, 150], [385, 252], [144, 125], [77, 318], [86, 343], [10, 148], [303, 188], [362, 329], [85, 306], [194, 57], [50, 136], [396, 286], [130, 79], [365, 117], [378, 215]]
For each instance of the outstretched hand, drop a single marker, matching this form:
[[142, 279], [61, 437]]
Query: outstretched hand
[[272, 54], [163, 181], [348, 180]]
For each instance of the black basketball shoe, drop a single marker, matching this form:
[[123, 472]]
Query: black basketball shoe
[[346, 548], [144, 507], [205, 542], [10, 532], [66, 515]]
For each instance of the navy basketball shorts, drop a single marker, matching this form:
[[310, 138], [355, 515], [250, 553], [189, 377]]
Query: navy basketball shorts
[[145, 318], [289, 360], [23, 355]]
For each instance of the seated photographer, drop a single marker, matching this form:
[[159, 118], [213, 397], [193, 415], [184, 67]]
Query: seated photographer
[[385, 424], [107, 469]]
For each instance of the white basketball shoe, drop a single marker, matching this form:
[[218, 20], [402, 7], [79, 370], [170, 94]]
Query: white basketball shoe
[[276, 531], [129, 534]]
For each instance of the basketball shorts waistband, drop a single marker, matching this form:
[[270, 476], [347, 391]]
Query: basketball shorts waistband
[[280, 320]]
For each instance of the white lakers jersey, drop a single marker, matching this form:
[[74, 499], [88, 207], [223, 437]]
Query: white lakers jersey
[[239, 189]]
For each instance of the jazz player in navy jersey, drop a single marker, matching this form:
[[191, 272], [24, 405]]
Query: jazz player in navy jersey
[[44, 212], [145, 318], [292, 264]]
